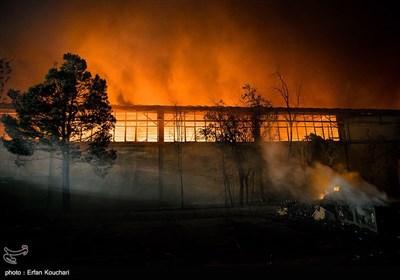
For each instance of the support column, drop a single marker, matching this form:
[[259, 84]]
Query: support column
[[160, 126]]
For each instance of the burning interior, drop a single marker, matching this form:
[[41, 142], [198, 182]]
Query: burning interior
[[143, 124]]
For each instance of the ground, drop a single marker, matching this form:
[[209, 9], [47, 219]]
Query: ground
[[211, 242]]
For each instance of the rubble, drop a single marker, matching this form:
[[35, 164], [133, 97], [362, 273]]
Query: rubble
[[319, 213]]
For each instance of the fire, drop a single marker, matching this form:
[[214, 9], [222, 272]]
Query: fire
[[336, 188], [154, 53], [322, 195]]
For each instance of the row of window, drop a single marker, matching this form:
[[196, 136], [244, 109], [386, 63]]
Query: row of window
[[186, 127], [142, 126]]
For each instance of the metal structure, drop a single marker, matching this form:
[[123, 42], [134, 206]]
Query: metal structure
[[156, 123], [142, 123]]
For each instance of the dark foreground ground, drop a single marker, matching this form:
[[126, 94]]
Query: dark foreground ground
[[193, 243]]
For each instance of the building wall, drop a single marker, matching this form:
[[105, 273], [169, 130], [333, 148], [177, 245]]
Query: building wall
[[147, 175], [134, 179], [139, 179], [373, 146]]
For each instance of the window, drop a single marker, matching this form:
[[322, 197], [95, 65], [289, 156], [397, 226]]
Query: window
[[185, 126]]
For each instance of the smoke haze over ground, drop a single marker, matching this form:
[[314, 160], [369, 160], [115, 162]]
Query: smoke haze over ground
[[344, 53], [289, 176]]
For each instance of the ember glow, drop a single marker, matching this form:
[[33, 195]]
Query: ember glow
[[288, 176], [194, 52], [322, 195], [349, 186]]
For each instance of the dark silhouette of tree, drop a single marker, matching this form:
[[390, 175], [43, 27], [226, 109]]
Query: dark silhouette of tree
[[5, 71], [237, 132], [261, 116], [69, 113], [287, 94], [230, 131]]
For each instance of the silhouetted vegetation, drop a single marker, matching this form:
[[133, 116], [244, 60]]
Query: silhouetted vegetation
[[233, 129], [60, 115], [288, 95], [322, 150]]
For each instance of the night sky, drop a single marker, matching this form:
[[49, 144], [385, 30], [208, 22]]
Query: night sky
[[343, 53]]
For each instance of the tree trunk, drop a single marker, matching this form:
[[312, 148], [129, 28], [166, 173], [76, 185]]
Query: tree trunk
[[290, 136], [226, 184], [242, 186], [50, 182], [180, 167], [66, 197], [160, 175], [182, 196], [262, 183], [246, 183], [252, 188], [261, 165]]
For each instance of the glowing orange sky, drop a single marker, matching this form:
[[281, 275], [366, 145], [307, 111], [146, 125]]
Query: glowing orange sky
[[193, 52]]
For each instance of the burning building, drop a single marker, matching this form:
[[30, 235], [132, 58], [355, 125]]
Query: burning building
[[146, 137]]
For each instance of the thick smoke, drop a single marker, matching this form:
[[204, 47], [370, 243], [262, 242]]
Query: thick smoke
[[289, 176], [192, 52]]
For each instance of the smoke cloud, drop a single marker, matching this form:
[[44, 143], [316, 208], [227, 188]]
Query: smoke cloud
[[305, 183], [152, 52]]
